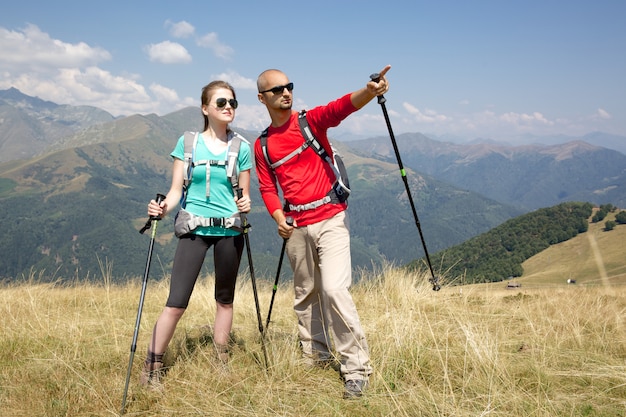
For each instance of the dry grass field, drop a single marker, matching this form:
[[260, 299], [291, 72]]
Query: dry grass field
[[540, 350]]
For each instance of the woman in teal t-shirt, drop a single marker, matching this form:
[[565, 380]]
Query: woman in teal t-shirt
[[218, 108]]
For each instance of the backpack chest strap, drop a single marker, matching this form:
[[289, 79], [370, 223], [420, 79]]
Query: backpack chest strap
[[209, 163]]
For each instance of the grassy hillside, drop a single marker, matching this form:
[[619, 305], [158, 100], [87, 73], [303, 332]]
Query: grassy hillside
[[499, 253], [462, 351], [595, 257]]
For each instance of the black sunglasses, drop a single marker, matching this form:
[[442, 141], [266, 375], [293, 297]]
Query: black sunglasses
[[279, 89], [221, 102]]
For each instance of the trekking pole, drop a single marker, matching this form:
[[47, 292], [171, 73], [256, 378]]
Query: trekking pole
[[381, 100], [152, 221], [275, 287], [245, 226]]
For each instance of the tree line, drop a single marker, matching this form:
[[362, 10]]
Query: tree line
[[498, 254]]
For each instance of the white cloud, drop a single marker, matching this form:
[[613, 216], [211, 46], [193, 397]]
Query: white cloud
[[91, 86], [219, 49], [164, 93], [66, 73], [167, 99], [168, 52], [236, 80], [427, 116], [33, 50], [519, 119], [603, 114], [251, 117], [180, 29]]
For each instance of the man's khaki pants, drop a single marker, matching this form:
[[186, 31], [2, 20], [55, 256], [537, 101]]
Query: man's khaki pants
[[320, 259]]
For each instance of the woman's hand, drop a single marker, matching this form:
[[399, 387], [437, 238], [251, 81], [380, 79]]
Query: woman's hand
[[244, 204], [157, 210]]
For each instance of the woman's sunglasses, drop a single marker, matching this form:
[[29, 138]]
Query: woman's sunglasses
[[279, 89], [221, 102]]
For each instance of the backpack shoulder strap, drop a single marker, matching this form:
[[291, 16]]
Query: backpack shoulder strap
[[341, 187], [190, 141], [263, 139], [286, 158], [310, 138], [232, 159]]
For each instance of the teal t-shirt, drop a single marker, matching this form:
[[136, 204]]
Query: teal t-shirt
[[221, 201]]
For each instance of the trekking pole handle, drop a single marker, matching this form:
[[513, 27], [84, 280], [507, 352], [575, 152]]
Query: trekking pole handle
[[244, 221], [289, 220], [159, 199], [376, 78]]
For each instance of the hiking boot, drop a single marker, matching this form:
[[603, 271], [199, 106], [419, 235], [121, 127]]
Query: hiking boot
[[152, 370], [354, 388], [223, 353]]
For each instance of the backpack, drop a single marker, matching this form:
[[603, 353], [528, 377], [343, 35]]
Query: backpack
[[186, 222], [341, 188], [231, 162]]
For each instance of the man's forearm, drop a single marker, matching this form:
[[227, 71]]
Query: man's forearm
[[361, 97]]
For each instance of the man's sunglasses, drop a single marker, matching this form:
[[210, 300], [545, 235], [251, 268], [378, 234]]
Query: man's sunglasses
[[221, 102], [279, 89]]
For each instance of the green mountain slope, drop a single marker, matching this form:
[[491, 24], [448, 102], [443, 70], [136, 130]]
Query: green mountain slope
[[595, 257], [499, 253], [73, 210]]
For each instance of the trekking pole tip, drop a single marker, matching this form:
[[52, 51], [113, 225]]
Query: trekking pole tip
[[435, 281]]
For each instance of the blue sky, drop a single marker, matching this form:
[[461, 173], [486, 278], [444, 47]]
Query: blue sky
[[483, 68]]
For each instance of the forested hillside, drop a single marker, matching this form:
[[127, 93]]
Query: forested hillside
[[498, 254]]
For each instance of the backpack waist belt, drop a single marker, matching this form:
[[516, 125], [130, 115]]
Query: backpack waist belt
[[331, 197], [187, 222], [309, 206], [227, 222]]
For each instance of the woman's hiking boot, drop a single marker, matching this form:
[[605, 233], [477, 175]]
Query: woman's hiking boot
[[222, 352], [152, 370]]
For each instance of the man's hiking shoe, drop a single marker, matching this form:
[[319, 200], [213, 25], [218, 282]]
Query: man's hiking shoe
[[354, 388]]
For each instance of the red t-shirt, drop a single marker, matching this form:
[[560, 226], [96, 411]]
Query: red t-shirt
[[306, 177]]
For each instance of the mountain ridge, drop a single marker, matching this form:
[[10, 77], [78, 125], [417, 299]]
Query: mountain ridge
[[526, 176], [84, 201], [84, 196]]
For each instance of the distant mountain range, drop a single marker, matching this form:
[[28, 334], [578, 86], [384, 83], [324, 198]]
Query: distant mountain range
[[75, 182], [602, 139], [527, 176]]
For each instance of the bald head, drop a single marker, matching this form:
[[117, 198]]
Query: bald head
[[267, 79]]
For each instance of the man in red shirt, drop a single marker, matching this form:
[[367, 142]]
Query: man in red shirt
[[319, 241]]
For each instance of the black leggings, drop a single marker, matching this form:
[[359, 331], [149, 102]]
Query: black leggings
[[188, 260]]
